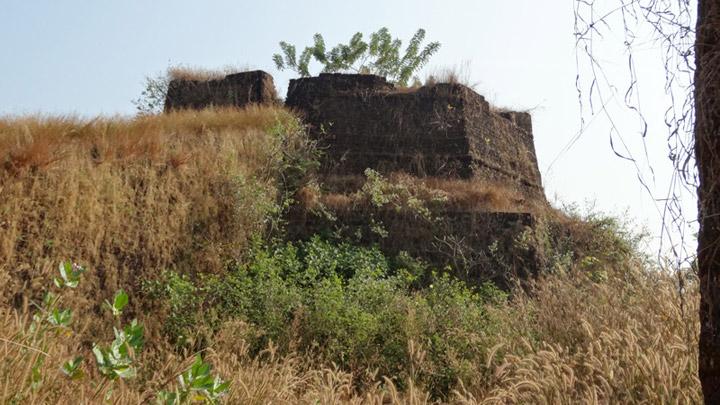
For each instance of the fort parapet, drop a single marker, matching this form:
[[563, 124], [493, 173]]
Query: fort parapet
[[234, 90], [444, 130]]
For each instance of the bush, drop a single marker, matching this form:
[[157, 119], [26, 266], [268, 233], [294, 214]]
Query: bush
[[152, 98], [346, 304]]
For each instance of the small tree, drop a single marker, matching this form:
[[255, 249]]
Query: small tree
[[381, 56], [152, 98]]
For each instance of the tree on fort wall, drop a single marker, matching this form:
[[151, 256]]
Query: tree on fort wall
[[382, 56]]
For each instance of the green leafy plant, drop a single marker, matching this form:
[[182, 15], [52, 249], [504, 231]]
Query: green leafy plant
[[60, 317], [381, 55], [119, 302], [117, 360], [350, 304], [195, 384], [380, 192], [71, 368], [50, 318], [69, 275]]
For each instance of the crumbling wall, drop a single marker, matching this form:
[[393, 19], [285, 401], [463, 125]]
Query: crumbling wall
[[443, 130], [477, 246], [235, 90]]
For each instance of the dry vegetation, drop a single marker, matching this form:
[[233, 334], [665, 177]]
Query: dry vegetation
[[456, 74], [131, 197], [342, 192], [182, 72], [185, 191], [569, 340]]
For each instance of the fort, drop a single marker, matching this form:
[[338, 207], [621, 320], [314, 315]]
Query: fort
[[439, 132], [238, 90], [445, 130]]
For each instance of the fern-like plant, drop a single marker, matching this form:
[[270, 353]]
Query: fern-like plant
[[381, 56]]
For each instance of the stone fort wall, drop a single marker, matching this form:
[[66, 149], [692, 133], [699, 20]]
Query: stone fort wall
[[445, 130], [235, 90]]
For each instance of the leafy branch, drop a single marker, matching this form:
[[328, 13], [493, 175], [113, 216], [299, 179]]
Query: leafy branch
[[381, 56]]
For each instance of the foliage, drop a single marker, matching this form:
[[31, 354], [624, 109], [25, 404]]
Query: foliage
[[193, 186], [195, 384], [380, 56], [320, 321], [116, 361], [283, 317], [119, 360], [400, 196], [348, 303], [589, 241], [152, 98]]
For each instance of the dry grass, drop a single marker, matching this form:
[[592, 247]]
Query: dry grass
[[456, 74], [130, 197], [460, 74], [341, 193], [267, 378], [182, 72], [631, 339]]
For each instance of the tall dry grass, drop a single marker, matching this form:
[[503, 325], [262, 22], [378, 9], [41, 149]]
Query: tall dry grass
[[455, 74], [184, 72], [184, 191], [342, 191], [566, 340], [629, 339], [129, 197]]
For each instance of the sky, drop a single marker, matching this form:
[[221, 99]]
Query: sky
[[89, 58]]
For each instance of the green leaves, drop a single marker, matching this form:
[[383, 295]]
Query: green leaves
[[381, 56], [116, 361], [71, 368], [318, 50], [69, 275], [196, 384], [60, 317], [133, 335], [119, 302], [152, 98]]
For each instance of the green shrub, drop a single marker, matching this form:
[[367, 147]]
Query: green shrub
[[115, 362], [348, 304]]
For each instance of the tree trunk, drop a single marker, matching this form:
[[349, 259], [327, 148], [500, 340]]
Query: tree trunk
[[707, 149]]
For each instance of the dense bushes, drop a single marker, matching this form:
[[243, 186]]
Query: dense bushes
[[345, 304]]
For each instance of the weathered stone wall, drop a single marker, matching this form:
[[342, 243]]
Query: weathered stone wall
[[443, 130], [479, 246], [238, 90]]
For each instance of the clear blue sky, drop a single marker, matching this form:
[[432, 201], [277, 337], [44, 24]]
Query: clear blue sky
[[90, 57]]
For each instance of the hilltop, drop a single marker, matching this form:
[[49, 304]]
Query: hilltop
[[299, 281]]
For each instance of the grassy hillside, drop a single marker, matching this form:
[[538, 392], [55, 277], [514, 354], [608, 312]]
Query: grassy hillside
[[129, 198], [185, 213]]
